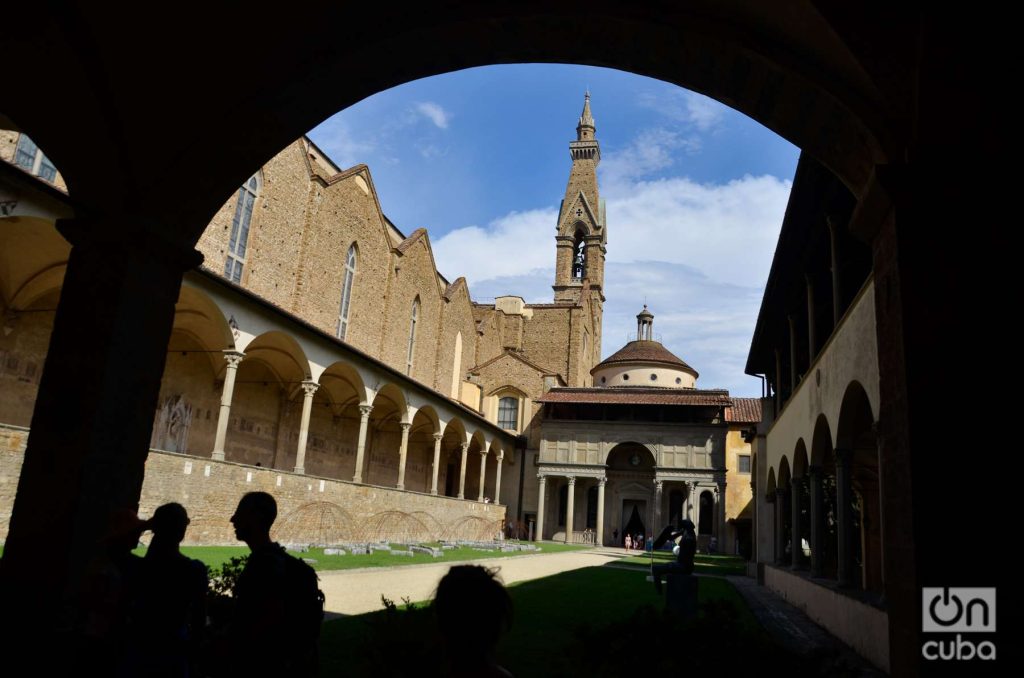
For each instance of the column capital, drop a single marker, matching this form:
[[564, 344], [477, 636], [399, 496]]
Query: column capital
[[438, 436], [815, 470], [309, 388], [405, 425], [572, 480], [542, 477], [232, 357], [798, 482], [465, 447], [658, 486], [602, 481], [364, 411]]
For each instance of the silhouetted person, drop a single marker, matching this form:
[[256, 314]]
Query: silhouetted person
[[684, 532], [169, 611], [108, 591], [263, 638], [473, 609]]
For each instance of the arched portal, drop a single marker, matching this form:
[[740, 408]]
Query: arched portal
[[629, 493]]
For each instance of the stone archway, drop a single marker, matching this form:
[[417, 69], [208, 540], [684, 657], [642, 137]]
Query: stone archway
[[629, 494]]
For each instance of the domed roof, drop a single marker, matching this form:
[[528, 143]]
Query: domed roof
[[644, 352]]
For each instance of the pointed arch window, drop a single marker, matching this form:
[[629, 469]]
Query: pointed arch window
[[346, 290], [239, 240], [412, 335], [579, 256]]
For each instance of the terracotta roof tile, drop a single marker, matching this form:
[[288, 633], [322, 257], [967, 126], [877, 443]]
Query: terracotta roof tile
[[636, 396], [744, 410], [644, 352], [411, 240]]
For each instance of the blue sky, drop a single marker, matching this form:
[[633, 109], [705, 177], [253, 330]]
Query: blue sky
[[695, 192]]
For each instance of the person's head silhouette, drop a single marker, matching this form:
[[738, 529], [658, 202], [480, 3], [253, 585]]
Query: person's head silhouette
[[256, 512], [473, 609], [168, 524]]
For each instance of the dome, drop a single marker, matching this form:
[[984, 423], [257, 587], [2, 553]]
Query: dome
[[644, 363]]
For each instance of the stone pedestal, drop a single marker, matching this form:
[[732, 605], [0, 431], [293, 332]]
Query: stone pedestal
[[681, 595]]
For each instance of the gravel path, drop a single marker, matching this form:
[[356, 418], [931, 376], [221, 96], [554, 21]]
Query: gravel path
[[358, 591]]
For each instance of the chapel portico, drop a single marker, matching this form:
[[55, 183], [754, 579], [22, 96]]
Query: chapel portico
[[623, 458]]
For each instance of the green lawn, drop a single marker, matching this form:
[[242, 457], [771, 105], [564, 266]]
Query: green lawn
[[215, 556], [703, 564], [563, 626]]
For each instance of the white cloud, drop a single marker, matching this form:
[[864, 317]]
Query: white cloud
[[699, 254], [434, 112], [728, 231], [510, 245], [702, 112], [706, 323], [336, 139], [650, 151], [686, 107]]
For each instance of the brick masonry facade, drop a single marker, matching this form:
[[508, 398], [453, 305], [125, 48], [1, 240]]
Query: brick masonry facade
[[311, 510]]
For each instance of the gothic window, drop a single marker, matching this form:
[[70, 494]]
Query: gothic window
[[579, 257], [346, 291], [29, 157], [508, 413], [239, 241], [412, 335]]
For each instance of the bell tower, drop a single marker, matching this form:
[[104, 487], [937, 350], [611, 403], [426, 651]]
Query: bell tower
[[581, 234]]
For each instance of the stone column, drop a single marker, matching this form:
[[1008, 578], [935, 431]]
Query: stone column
[[569, 509], [403, 453], [796, 504], [233, 358], [364, 420], [600, 511], [497, 477], [780, 523], [720, 514], [792, 351], [812, 339], [657, 506], [437, 462], [844, 507], [542, 491], [817, 521], [483, 474], [308, 390], [93, 417], [837, 293], [696, 507], [688, 504], [462, 471], [778, 382], [770, 498]]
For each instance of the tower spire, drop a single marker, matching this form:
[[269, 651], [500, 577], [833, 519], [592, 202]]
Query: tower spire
[[586, 121]]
